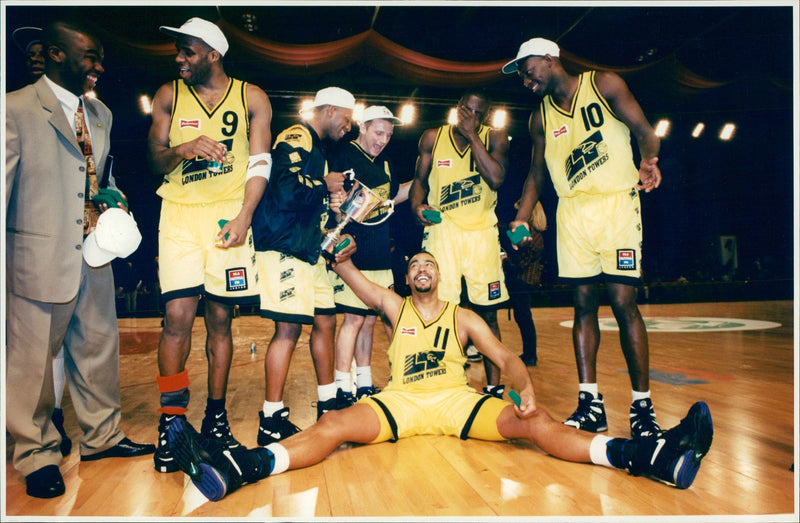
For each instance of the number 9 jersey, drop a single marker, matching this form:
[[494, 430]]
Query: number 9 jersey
[[228, 123]]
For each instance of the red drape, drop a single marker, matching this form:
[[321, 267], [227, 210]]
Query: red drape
[[377, 51]]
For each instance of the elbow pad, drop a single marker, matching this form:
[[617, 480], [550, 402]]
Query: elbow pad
[[262, 169]]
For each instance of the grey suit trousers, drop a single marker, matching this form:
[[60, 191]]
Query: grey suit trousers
[[87, 326]]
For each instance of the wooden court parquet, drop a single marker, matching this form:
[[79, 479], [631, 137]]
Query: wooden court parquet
[[748, 378]]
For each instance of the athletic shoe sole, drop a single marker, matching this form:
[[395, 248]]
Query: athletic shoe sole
[[685, 470], [703, 429], [702, 432], [205, 477], [211, 483]]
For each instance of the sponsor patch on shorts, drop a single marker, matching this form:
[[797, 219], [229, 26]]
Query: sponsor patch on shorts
[[626, 260], [287, 294], [236, 279], [494, 290]]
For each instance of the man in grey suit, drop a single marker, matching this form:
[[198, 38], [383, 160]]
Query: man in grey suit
[[53, 296]]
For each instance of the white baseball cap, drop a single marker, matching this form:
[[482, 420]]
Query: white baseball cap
[[116, 236], [334, 96], [533, 47], [379, 112], [206, 31]]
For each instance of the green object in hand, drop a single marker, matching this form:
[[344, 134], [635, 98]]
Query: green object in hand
[[341, 245], [221, 225], [519, 234], [109, 197], [432, 216], [514, 397]]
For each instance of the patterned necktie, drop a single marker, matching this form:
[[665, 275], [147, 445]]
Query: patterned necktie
[[90, 212]]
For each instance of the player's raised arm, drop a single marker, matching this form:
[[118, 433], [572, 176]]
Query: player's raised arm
[[374, 296]]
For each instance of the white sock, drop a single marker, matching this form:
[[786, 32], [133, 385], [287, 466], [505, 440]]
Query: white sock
[[591, 388], [271, 407], [364, 376], [636, 395], [343, 381], [597, 451], [326, 392], [281, 458]]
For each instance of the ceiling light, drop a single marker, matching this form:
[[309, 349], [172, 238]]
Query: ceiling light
[[249, 22], [305, 109], [452, 117], [662, 128], [500, 119], [407, 114], [358, 112], [727, 131], [145, 105]]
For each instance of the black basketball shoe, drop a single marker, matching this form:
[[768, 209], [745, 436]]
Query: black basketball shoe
[[674, 457]]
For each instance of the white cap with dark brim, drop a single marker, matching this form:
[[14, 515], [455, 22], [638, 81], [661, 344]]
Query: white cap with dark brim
[[206, 31], [379, 112], [533, 47]]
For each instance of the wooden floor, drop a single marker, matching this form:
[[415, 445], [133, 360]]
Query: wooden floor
[[747, 377]]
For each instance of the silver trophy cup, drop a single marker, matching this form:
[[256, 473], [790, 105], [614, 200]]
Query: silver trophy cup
[[360, 202]]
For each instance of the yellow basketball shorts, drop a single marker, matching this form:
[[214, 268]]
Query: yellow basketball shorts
[[293, 290], [461, 412], [189, 261], [600, 234], [475, 255], [347, 301]]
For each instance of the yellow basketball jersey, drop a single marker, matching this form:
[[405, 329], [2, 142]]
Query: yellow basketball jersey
[[228, 123], [426, 356], [456, 187], [588, 149]]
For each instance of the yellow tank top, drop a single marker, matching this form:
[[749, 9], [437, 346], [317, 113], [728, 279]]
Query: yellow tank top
[[588, 149], [456, 187], [426, 356], [228, 123]]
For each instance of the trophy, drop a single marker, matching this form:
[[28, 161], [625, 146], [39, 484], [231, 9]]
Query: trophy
[[358, 204]]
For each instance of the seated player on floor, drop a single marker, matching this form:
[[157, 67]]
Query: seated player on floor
[[428, 394]]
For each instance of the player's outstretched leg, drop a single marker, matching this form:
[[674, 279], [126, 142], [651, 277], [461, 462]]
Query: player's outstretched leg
[[674, 456], [214, 469]]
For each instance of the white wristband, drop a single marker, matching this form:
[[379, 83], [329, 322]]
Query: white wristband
[[262, 169]]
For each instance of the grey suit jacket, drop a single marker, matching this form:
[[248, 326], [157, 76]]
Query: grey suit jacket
[[45, 184]]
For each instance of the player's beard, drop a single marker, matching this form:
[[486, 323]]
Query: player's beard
[[422, 290], [200, 74], [423, 287]]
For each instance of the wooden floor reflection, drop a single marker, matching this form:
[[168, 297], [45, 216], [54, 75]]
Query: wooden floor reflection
[[746, 376]]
